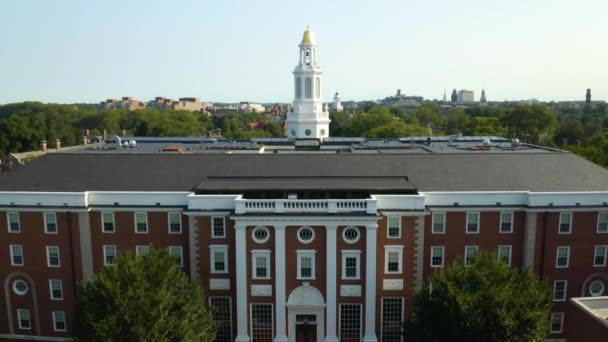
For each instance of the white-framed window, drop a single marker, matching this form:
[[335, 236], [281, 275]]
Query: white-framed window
[[218, 229], [596, 288], [178, 253], [599, 257], [438, 223], [50, 223], [219, 258], [142, 250], [56, 289], [107, 222], [306, 264], [174, 221], [351, 321], [23, 319], [306, 235], [52, 256], [109, 255], [262, 322], [562, 257], [351, 234], [392, 319], [472, 223], [504, 254], [222, 314], [470, 252], [260, 259], [20, 287], [393, 259], [506, 222], [351, 264], [59, 321], [16, 255], [565, 223], [560, 290], [602, 222], [394, 227], [557, 322], [437, 256], [141, 222], [13, 222], [261, 234]]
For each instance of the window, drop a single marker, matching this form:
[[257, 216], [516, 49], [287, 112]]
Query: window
[[178, 253], [392, 259], [52, 256], [23, 319], [261, 234], [599, 258], [306, 235], [219, 259], [350, 322], [16, 255], [394, 227], [261, 264], [222, 314], [109, 254], [218, 230], [438, 223], [59, 321], [306, 264], [557, 321], [437, 253], [506, 222], [262, 323], [317, 87], [20, 287], [141, 222], [596, 288], [351, 234], [469, 254], [56, 289], [50, 223], [602, 223], [142, 250], [472, 223], [175, 223], [13, 222], [562, 259], [107, 222], [350, 264], [298, 88], [308, 87], [504, 254], [392, 319], [565, 223], [560, 288]]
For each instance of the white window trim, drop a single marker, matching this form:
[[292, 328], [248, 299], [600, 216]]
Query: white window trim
[[361, 314], [311, 253], [442, 256], [213, 236], [382, 311], [260, 253], [393, 248], [105, 263], [557, 257], [137, 247], [510, 247], [8, 222], [29, 318], [388, 227], [561, 325], [48, 256], [55, 321], [264, 228], [565, 290], [10, 248], [46, 231], [135, 222], [598, 222], [218, 248], [181, 229], [559, 228], [600, 292], [443, 215], [51, 289], [351, 253], [272, 316], [466, 227], [113, 223], [466, 254], [605, 248], [181, 254], [510, 220], [350, 242]]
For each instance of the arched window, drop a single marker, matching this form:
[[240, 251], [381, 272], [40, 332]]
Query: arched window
[[308, 88], [317, 87], [298, 88]]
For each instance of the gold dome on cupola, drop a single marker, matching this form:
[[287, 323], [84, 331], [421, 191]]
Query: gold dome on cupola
[[308, 37]]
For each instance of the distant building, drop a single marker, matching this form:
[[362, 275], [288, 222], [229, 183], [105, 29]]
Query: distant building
[[454, 96], [192, 104], [251, 107], [337, 103], [126, 102], [588, 97], [402, 100], [444, 97], [483, 96], [466, 96]]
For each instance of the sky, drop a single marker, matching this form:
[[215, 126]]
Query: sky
[[67, 51]]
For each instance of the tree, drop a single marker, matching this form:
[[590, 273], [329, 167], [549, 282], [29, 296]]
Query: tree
[[143, 298], [484, 301], [531, 123]]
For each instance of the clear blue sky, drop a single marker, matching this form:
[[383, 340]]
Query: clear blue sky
[[228, 50]]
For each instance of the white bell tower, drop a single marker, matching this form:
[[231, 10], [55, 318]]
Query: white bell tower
[[308, 119]]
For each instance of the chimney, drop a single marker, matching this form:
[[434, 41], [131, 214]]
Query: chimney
[[57, 144], [105, 135], [43, 145], [85, 140]]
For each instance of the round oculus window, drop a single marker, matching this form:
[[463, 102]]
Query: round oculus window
[[306, 235], [260, 234], [20, 287], [307, 132], [351, 234], [596, 288], [322, 132]]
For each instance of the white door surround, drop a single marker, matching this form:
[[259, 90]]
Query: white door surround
[[306, 300]]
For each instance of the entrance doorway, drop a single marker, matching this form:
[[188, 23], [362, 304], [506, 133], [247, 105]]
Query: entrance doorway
[[306, 328], [306, 319]]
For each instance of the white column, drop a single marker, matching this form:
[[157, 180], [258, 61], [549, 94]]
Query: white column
[[241, 283], [279, 258], [331, 273], [370, 283]]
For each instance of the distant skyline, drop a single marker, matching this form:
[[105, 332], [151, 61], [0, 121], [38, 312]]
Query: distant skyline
[[71, 51]]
